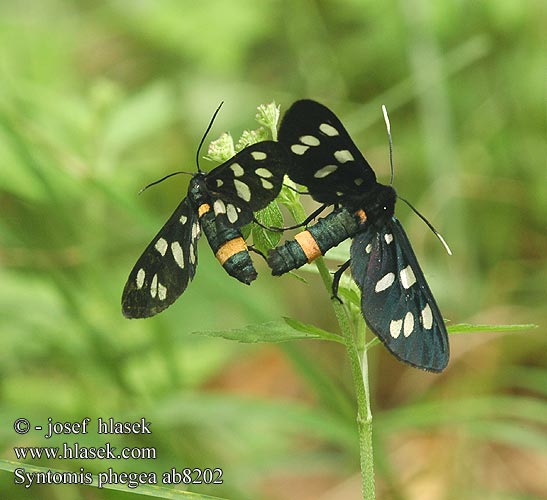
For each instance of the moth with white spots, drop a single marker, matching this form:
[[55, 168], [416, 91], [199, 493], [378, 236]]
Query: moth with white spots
[[219, 203], [396, 301]]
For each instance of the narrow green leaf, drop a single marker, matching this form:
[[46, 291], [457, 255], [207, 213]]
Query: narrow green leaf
[[467, 328], [273, 331], [313, 330], [296, 276]]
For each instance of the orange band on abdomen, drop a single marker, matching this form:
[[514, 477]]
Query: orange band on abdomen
[[203, 209], [309, 245], [230, 248]]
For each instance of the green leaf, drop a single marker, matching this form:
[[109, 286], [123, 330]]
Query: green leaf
[[296, 276], [350, 295], [273, 331], [467, 328], [263, 239], [290, 199], [314, 330]]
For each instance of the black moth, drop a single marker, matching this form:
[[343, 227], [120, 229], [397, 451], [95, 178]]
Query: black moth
[[220, 203], [396, 301]]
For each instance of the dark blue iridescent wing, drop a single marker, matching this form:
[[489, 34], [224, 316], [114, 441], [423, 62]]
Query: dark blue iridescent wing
[[396, 301]]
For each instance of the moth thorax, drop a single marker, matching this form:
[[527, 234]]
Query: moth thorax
[[379, 205], [197, 190]]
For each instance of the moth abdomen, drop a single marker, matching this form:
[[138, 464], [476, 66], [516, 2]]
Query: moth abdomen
[[228, 246], [315, 241]]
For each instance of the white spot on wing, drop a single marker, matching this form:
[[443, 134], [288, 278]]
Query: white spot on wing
[[219, 183], [427, 317], [408, 324], [299, 149], [328, 129], [358, 181], [309, 140], [154, 286], [162, 292], [407, 277], [326, 170], [258, 155], [384, 282], [141, 274], [343, 156], [388, 237], [218, 207], [231, 213], [368, 248], [161, 246], [263, 172], [196, 230], [243, 190], [176, 250], [192, 253], [183, 219], [237, 169], [266, 184], [395, 328]]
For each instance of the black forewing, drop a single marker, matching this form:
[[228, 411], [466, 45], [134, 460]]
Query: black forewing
[[324, 158], [247, 182], [396, 301], [166, 267]]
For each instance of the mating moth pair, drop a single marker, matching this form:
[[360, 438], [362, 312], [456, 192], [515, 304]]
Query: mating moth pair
[[315, 151]]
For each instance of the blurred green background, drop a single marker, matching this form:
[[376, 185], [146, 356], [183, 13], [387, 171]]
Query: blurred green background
[[99, 98]]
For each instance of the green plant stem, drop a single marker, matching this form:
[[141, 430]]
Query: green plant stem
[[359, 371]]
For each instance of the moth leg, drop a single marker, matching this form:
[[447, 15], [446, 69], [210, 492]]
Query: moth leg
[[296, 190], [308, 219], [336, 280]]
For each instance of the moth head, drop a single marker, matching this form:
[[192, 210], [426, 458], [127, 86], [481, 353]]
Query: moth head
[[197, 190], [379, 205]]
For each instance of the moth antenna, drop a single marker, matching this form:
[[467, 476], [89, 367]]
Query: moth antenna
[[388, 127], [429, 225], [162, 179], [205, 135]]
